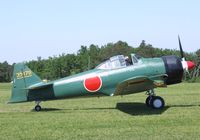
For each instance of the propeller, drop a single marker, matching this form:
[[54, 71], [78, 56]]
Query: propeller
[[181, 49], [187, 65]]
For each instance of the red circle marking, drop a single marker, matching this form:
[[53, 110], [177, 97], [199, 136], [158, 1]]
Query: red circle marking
[[93, 84]]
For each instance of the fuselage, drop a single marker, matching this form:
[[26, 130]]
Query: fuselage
[[103, 82]]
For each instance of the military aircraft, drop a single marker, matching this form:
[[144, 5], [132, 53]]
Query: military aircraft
[[115, 76]]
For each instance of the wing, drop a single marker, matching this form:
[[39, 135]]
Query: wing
[[139, 84]]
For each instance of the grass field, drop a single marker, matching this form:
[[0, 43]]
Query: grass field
[[110, 118]]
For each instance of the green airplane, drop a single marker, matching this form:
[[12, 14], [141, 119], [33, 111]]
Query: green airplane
[[116, 76]]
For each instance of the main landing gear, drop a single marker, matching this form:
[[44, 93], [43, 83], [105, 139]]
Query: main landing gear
[[38, 107], [154, 101]]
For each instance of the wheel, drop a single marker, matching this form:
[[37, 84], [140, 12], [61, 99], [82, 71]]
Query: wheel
[[157, 102], [148, 100], [38, 108]]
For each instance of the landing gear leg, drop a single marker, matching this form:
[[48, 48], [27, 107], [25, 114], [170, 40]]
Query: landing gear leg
[[154, 101], [38, 107], [151, 94]]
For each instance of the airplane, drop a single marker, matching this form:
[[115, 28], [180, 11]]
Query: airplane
[[115, 76]]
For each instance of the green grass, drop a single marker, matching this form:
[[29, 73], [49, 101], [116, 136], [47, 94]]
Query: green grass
[[102, 118]]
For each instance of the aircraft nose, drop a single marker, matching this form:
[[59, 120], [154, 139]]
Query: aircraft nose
[[190, 65]]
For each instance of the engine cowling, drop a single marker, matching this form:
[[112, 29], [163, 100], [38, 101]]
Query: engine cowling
[[174, 69]]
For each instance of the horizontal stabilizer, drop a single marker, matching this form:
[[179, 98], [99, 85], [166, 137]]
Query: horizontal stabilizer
[[39, 86]]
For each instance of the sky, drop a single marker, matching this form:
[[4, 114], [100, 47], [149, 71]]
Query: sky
[[32, 28]]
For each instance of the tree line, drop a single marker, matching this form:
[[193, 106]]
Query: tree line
[[88, 57]]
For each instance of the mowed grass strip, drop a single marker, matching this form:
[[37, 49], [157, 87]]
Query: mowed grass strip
[[102, 118]]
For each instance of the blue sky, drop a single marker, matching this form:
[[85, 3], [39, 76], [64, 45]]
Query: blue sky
[[31, 28]]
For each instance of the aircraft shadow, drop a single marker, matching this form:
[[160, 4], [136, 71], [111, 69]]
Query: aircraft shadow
[[47, 109], [138, 109], [129, 108], [125, 107], [75, 109]]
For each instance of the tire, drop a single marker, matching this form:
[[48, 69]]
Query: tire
[[38, 108], [157, 102], [148, 101]]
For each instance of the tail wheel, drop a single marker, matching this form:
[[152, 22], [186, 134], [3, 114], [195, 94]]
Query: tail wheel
[[38, 108], [157, 102]]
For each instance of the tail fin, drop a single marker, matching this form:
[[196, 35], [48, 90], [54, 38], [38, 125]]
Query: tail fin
[[23, 77]]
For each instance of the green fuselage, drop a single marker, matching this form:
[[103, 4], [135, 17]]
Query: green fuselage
[[73, 86], [141, 76]]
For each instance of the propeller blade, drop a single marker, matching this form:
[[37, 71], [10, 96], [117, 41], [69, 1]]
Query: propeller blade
[[181, 49]]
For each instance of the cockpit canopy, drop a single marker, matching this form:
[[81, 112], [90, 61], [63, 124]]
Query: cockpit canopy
[[119, 61]]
